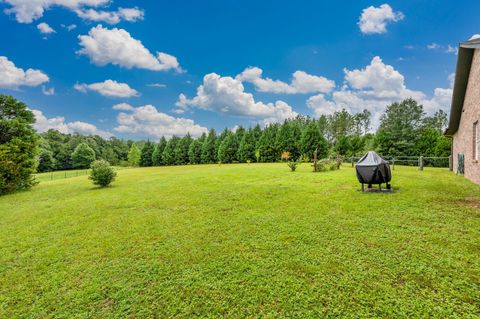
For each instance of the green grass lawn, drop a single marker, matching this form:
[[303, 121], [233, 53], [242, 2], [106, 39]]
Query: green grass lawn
[[242, 241]]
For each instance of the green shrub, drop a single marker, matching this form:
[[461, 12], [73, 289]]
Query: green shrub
[[102, 173], [327, 165], [293, 165]]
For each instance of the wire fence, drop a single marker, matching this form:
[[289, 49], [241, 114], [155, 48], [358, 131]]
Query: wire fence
[[51, 176], [420, 161]]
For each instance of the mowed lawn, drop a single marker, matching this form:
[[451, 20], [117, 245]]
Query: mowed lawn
[[242, 241]]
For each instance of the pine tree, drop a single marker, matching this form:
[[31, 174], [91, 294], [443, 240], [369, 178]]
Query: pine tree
[[168, 155], [246, 149], [288, 138], [18, 145], [209, 152], [157, 153], [146, 154], [134, 155], [181, 151], [83, 156], [195, 150], [227, 151], [312, 141], [267, 144]]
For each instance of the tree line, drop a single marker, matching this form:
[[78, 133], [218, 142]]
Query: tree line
[[404, 130]]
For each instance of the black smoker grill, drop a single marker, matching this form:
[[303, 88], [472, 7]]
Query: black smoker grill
[[373, 169]]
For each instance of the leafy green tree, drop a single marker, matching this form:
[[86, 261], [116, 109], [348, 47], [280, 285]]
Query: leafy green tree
[[227, 150], [157, 153], [443, 147], [341, 124], [437, 122], [362, 122], [134, 155], [400, 128], [102, 173], [46, 162], [312, 141], [246, 148], [146, 154], [18, 146], [209, 152], [83, 156], [343, 146], [120, 148], [426, 142], [168, 155], [357, 144], [181, 151]]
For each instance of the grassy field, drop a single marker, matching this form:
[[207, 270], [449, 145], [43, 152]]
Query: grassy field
[[242, 241]]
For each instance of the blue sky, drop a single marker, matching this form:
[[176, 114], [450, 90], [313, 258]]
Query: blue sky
[[234, 62]]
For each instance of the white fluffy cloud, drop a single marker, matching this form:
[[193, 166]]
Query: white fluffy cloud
[[12, 77], [111, 17], [302, 82], [108, 88], [118, 47], [148, 121], [26, 11], [373, 88], [45, 28], [375, 19], [227, 95], [58, 123]]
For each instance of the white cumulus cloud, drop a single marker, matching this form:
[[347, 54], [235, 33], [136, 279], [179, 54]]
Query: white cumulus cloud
[[302, 82], [26, 11], [373, 88], [58, 123], [12, 77], [375, 19], [109, 88], [148, 121], [116, 46], [45, 28], [111, 17], [227, 95]]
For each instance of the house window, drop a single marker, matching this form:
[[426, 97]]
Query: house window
[[476, 140]]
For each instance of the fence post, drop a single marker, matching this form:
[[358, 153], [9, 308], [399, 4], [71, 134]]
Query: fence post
[[450, 163], [352, 160], [420, 163]]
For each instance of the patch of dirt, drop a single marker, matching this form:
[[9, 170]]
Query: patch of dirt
[[472, 201]]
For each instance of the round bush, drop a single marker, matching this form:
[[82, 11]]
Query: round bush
[[102, 173]]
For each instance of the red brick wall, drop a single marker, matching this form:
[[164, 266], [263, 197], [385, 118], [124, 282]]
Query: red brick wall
[[463, 138]]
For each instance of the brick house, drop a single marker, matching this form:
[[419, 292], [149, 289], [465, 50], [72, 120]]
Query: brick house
[[464, 127]]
